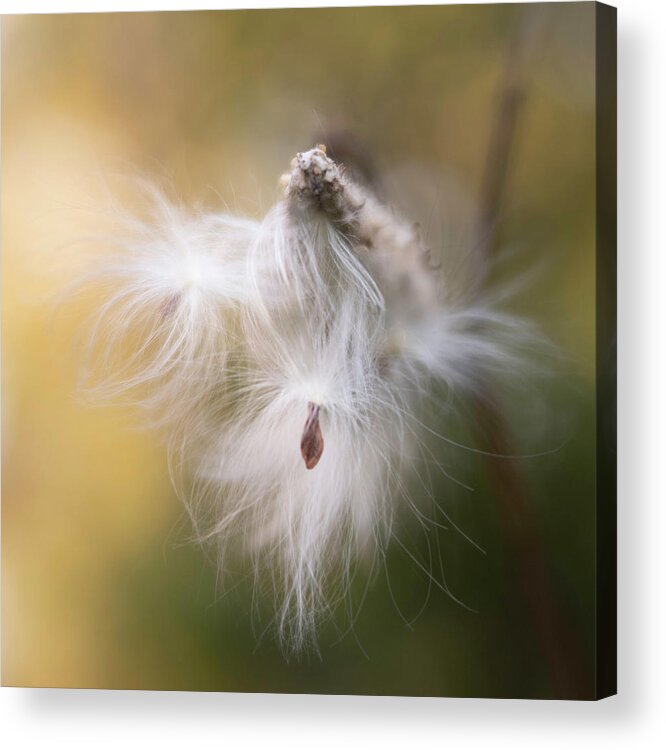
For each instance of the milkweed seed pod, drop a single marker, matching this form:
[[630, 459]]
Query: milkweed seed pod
[[286, 360]]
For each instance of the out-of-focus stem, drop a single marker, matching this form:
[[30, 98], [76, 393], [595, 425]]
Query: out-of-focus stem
[[555, 637]]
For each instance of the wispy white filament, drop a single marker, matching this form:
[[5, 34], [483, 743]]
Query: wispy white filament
[[232, 332]]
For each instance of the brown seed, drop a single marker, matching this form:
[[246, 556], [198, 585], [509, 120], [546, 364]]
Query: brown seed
[[312, 442]]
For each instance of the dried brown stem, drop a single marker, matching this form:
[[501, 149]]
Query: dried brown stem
[[554, 634]]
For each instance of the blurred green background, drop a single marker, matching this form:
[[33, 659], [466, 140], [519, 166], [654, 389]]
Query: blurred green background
[[100, 588]]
